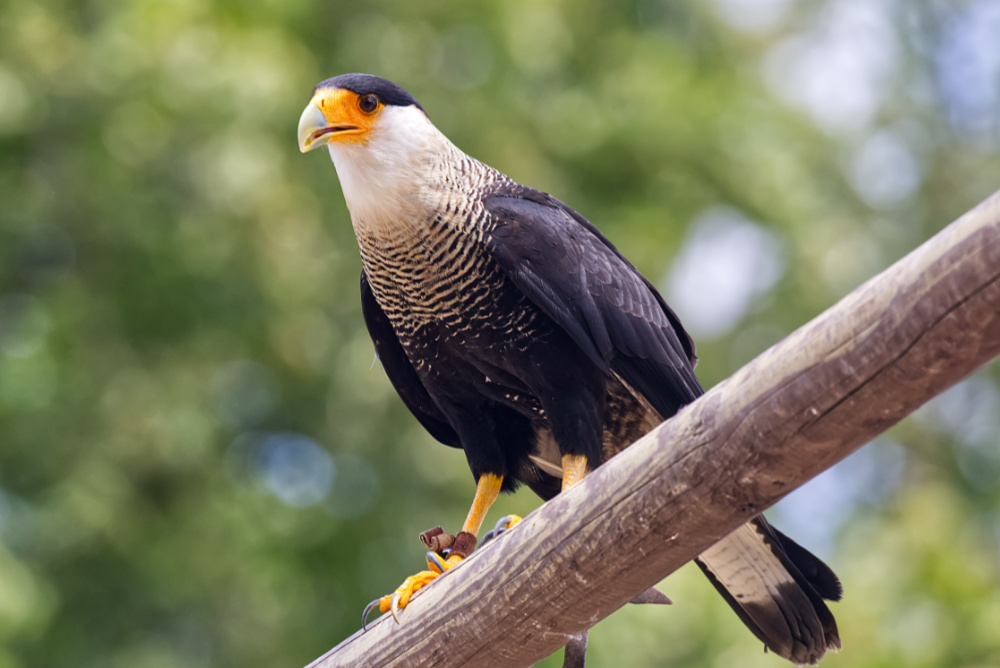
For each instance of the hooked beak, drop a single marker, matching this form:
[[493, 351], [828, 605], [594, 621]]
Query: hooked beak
[[333, 116], [314, 131]]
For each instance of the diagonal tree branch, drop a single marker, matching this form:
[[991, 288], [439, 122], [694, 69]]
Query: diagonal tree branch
[[901, 338]]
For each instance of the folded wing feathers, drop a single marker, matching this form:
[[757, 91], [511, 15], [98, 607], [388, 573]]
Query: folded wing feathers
[[622, 324]]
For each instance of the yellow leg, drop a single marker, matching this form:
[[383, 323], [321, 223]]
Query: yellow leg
[[574, 468], [487, 490]]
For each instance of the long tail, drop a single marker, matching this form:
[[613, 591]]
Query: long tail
[[777, 588]]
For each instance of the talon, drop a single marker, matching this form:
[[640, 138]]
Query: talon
[[368, 609], [435, 562], [411, 585], [502, 526], [394, 606], [442, 558], [507, 522]]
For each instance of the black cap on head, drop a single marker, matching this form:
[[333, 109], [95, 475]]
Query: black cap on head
[[365, 84]]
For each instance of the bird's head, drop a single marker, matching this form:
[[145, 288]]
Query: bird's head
[[379, 137], [355, 109]]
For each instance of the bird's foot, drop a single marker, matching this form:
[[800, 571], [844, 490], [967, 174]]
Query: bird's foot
[[397, 600], [438, 561], [502, 526]]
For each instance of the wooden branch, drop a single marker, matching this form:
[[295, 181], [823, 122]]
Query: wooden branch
[[901, 338]]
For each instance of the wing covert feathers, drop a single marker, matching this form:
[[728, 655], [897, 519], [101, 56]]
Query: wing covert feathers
[[580, 280]]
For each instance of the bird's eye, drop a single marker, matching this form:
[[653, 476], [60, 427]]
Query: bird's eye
[[368, 103]]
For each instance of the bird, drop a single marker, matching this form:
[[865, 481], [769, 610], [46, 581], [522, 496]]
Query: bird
[[514, 330]]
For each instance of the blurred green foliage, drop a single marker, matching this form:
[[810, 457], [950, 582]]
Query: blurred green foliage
[[200, 463]]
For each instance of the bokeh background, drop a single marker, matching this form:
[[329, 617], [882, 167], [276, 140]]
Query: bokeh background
[[201, 464]]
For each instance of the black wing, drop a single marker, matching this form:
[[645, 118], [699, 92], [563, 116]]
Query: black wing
[[618, 319], [399, 370], [574, 274]]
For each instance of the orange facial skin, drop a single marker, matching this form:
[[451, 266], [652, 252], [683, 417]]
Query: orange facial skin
[[337, 115]]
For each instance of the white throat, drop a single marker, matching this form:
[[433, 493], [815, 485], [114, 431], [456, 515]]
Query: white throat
[[389, 180]]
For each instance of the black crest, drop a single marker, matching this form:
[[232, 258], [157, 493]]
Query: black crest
[[367, 84]]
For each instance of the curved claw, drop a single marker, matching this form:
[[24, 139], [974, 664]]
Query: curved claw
[[368, 609], [435, 562], [487, 537], [401, 597], [394, 606], [503, 524]]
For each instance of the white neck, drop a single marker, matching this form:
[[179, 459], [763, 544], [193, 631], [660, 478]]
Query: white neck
[[388, 181]]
